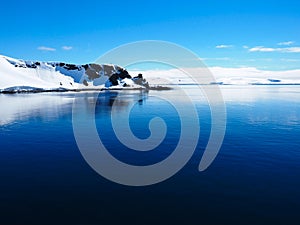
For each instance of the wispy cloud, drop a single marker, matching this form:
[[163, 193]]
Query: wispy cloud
[[224, 46], [286, 43], [262, 49], [292, 49], [290, 60], [267, 49], [67, 48], [44, 48]]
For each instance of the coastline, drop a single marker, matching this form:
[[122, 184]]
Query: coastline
[[40, 90]]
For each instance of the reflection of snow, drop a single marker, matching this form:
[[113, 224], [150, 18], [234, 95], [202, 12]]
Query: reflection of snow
[[49, 106], [23, 106], [242, 94], [257, 93]]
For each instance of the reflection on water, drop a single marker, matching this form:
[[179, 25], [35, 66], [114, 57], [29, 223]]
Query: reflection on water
[[50, 106], [244, 94], [23, 106], [254, 179], [53, 105], [238, 94]]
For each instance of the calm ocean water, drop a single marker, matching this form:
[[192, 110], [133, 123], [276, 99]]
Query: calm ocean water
[[253, 180]]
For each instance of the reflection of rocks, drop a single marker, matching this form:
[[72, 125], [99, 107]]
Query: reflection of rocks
[[99, 103], [52, 106]]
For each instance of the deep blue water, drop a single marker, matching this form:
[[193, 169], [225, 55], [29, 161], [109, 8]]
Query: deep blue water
[[253, 180]]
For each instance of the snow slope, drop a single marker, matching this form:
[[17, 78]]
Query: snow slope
[[20, 75]]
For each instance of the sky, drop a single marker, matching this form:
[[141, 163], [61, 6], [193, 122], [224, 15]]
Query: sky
[[233, 34]]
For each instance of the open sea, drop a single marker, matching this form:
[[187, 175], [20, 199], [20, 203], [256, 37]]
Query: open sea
[[255, 178]]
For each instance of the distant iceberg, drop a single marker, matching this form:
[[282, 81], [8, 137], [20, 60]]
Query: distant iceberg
[[224, 76]]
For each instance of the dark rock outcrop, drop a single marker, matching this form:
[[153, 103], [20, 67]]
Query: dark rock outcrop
[[118, 76], [92, 74], [123, 73], [114, 79], [85, 83], [108, 69], [96, 67], [140, 80]]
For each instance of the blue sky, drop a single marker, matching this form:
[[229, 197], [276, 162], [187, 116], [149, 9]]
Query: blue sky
[[261, 34]]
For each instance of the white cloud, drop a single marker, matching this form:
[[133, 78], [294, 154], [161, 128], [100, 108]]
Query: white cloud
[[286, 43], [262, 49], [224, 46], [67, 48], [245, 46], [43, 48], [283, 50]]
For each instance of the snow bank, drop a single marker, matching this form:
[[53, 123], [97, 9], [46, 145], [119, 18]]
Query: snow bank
[[19, 76]]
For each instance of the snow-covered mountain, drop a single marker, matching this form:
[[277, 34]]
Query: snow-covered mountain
[[222, 76], [19, 75]]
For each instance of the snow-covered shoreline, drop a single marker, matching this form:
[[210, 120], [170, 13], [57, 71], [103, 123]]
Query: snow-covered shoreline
[[34, 76]]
